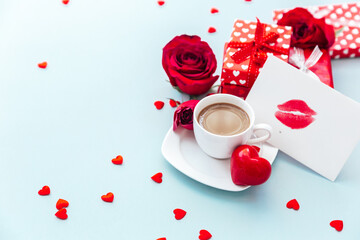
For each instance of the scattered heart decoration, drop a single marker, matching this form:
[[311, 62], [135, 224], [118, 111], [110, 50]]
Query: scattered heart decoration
[[214, 10], [211, 30], [160, 3], [62, 214], [118, 160], [44, 191], [204, 235], [65, 2], [61, 203], [163, 238], [179, 213], [109, 197], [42, 65], [174, 103], [337, 224], [293, 204], [159, 104], [157, 177], [247, 168]]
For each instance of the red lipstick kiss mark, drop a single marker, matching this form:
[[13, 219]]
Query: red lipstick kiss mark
[[295, 114]]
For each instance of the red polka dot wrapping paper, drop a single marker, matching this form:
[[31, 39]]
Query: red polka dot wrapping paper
[[234, 76], [346, 20]]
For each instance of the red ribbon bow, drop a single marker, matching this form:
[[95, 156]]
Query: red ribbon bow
[[257, 50]]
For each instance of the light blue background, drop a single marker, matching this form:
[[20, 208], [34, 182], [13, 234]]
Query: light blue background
[[62, 126]]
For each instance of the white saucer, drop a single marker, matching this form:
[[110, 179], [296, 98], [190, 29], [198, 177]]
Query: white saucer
[[181, 150]]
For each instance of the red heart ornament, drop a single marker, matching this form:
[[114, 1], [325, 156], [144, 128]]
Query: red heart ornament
[[211, 30], [247, 168], [109, 197], [44, 191], [204, 235], [214, 10], [161, 3], [337, 224], [61, 203], [179, 213], [163, 238], [293, 204], [42, 65], [118, 160], [159, 104], [62, 214], [157, 177], [65, 2]]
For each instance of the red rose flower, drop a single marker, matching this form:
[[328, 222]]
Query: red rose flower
[[307, 30], [183, 115], [190, 64]]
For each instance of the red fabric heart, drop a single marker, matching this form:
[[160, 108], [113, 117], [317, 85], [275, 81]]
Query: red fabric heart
[[157, 177], [65, 2], [179, 213], [159, 104], [173, 103], [161, 238], [42, 65], [62, 214], [61, 203], [214, 10], [161, 3], [109, 197], [293, 204], [118, 160], [247, 168], [211, 30], [204, 235], [44, 191], [337, 224]]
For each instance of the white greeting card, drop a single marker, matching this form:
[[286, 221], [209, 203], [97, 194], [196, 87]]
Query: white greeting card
[[313, 123]]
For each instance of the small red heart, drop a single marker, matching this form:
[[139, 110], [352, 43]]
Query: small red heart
[[163, 238], [159, 104], [42, 65], [161, 3], [247, 0], [204, 235], [214, 10], [61, 203], [62, 214], [293, 204], [337, 224], [44, 191], [109, 197], [179, 213], [247, 168], [157, 177], [118, 160], [65, 1], [172, 103], [211, 30]]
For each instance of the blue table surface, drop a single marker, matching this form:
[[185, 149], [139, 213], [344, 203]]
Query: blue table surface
[[61, 126]]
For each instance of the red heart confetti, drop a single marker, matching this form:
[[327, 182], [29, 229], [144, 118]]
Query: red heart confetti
[[172, 103], [179, 213], [211, 30], [214, 10], [293, 204], [44, 191], [204, 235], [163, 238], [109, 197], [42, 65], [61, 203], [62, 214], [161, 3], [118, 160], [65, 2], [247, 0], [159, 104], [337, 224], [157, 177]]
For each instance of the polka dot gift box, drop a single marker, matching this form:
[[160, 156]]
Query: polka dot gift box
[[247, 51], [346, 20]]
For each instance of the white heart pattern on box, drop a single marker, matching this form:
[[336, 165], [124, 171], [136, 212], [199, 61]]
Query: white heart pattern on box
[[287, 36], [244, 67], [243, 39], [242, 82], [279, 40], [231, 53], [229, 65], [280, 30], [239, 24], [245, 30], [252, 26], [237, 34], [251, 35], [236, 73]]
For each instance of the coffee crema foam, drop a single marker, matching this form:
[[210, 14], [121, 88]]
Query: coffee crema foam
[[224, 119]]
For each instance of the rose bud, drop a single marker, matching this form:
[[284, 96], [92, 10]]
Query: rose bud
[[190, 64], [183, 115], [307, 30]]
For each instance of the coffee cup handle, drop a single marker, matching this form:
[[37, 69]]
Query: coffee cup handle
[[263, 127]]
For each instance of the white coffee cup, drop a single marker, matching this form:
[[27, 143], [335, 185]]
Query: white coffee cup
[[219, 146]]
